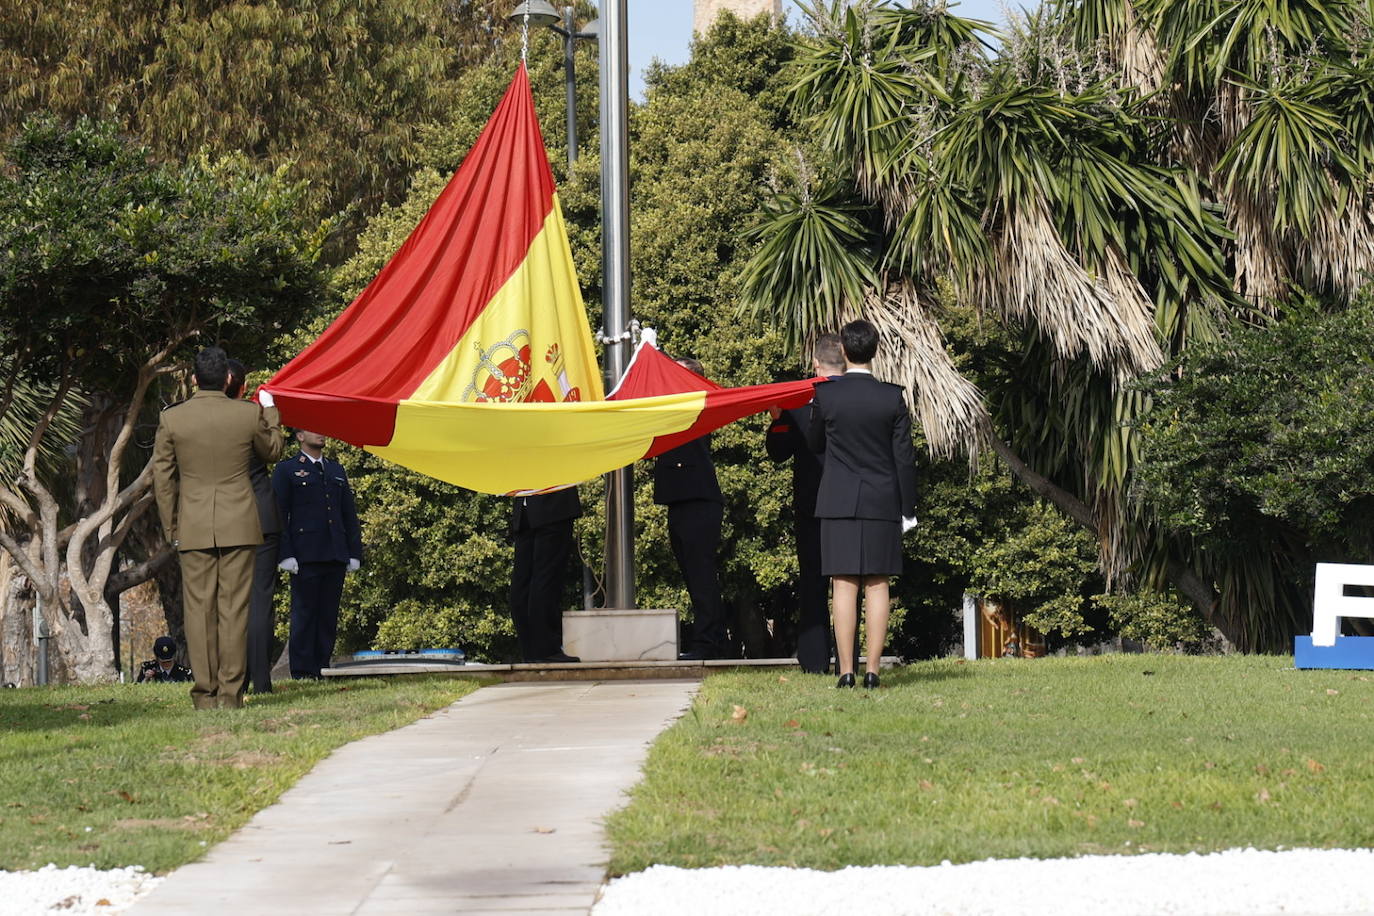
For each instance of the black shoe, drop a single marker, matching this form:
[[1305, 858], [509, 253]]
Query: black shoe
[[846, 680], [558, 658], [693, 656], [870, 681]]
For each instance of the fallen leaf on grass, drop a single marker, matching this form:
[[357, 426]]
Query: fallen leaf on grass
[[1314, 766], [1332, 693], [782, 679], [792, 723], [1130, 802], [1262, 796], [126, 796], [1135, 823], [926, 785], [739, 714]]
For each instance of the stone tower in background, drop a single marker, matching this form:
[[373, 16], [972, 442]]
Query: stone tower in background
[[707, 10]]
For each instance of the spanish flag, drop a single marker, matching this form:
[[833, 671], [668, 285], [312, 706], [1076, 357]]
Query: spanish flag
[[469, 357]]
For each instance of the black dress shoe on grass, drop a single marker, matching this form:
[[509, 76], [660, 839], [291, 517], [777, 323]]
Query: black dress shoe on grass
[[870, 681], [693, 656], [846, 680]]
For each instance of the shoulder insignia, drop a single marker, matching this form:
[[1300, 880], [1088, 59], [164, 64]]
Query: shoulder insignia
[[301, 459]]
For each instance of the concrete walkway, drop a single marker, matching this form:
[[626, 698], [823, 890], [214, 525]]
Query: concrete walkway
[[493, 805]]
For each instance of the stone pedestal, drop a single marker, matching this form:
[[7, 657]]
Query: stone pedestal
[[604, 635]]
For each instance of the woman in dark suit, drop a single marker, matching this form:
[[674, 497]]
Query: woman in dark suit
[[868, 486]]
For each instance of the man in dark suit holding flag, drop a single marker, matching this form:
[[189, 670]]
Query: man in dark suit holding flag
[[685, 481], [787, 440], [541, 528]]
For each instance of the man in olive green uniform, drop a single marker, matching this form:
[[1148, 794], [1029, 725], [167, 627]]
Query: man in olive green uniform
[[205, 498]]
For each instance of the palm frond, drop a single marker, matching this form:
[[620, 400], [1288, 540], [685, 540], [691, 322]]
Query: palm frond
[[948, 406], [814, 257]]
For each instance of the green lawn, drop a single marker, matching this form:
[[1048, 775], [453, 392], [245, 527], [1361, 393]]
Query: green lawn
[[1008, 758], [132, 775]]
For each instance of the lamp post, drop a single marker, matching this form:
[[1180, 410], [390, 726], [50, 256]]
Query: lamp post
[[542, 13]]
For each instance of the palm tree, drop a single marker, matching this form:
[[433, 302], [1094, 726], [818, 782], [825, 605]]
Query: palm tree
[[1055, 188]]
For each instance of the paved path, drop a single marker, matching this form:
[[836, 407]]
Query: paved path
[[493, 805]]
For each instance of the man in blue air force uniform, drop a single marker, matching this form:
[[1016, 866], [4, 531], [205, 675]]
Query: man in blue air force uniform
[[320, 541]]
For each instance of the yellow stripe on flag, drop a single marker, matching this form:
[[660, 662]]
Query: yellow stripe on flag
[[502, 448], [534, 330]]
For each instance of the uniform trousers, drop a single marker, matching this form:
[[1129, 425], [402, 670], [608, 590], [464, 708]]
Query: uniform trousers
[[536, 587], [215, 584], [260, 623], [694, 532], [315, 594], [813, 592]]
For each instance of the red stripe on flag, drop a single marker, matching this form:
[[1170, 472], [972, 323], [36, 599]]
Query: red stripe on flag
[[474, 238], [652, 373], [357, 421]]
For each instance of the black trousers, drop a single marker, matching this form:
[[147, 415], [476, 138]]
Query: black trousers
[[814, 641], [694, 532], [536, 587], [260, 614], [315, 594]]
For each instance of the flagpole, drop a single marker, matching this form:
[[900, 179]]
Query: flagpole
[[615, 264]]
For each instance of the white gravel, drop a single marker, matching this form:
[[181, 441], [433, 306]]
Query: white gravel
[[73, 891], [1336, 882]]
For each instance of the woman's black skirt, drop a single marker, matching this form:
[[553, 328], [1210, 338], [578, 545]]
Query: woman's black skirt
[[861, 547]]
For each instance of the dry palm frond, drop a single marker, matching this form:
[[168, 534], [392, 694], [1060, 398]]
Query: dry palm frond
[[1036, 280], [1260, 252], [948, 406], [1341, 246], [1141, 63]]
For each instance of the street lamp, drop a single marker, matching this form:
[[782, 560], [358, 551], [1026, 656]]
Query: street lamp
[[541, 12]]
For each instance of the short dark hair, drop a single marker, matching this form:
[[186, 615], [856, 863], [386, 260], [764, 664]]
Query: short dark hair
[[688, 363], [829, 351], [237, 373], [860, 339], [212, 369]]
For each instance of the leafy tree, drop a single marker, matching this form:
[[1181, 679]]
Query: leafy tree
[[112, 269], [1260, 446], [336, 89]]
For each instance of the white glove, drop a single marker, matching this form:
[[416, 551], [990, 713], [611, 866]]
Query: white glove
[[354, 563], [908, 523], [290, 565], [265, 398]]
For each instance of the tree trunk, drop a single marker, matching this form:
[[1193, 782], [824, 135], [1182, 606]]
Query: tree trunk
[[81, 650], [16, 625], [1203, 596]]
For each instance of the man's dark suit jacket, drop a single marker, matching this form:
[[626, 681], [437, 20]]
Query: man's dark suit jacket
[[686, 472], [864, 429], [262, 491], [544, 509]]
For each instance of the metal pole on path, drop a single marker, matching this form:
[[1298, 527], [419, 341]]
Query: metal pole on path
[[615, 263]]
